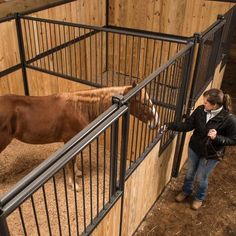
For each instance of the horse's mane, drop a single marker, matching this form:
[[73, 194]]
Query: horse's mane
[[94, 101]]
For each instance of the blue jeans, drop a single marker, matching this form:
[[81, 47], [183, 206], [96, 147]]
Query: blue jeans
[[198, 168]]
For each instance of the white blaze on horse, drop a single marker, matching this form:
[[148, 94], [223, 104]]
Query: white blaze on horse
[[59, 117]]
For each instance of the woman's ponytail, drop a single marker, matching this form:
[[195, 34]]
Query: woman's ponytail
[[227, 102]]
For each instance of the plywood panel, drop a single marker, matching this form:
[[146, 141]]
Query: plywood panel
[[180, 17], [12, 83], [144, 186], [110, 225]]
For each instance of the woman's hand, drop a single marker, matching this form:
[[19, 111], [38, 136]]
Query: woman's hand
[[212, 134]]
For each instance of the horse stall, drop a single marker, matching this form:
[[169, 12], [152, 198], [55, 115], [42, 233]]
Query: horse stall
[[124, 157]]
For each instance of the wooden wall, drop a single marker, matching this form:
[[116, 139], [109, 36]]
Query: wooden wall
[[144, 186], [110, 225], [92, 12], [179, 17]]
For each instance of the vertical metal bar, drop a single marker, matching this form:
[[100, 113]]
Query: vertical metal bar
[[35, 47], [57, 53], [66, 57], [91, 185], [104, 169], [83, 190], [4, 231], [41, 29], [113, 162], [35, 214], [96, 59], [97, 175], [67, 205], [39, 44], [85, 57], [46, 209], [90, 57], [22, 221], [153, 55], [136, 145], [70, 57], [57, 205], [131, 63], [119, 51], [75, 54], [26, 45], [30, 41], [60, 41], [113, 58], [53, 59], [138, 56], [75, 194], [102, 58], [107, 56], [124, 151], [46, 36], [22, 53], [125, 58], [80, 57]]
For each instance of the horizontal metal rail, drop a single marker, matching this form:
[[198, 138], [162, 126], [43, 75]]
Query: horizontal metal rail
[[10, 70], [23, 183], [126, 31], [75, 79], [157, 35], [7, 18]]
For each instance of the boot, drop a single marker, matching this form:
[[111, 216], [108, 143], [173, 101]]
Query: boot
[[181, 197], [196, 204]]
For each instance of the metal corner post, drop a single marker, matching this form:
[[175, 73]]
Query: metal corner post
[[124, 149], [181, 138], [22, 53]]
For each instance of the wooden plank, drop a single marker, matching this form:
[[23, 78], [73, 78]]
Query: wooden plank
[[144, 186], [110, 225]]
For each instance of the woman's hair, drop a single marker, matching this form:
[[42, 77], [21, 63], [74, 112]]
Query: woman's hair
[[216, 96]]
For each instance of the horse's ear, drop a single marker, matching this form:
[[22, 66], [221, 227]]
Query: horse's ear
[[134, 84]]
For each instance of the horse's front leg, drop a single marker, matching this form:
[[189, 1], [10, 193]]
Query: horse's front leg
[[73, 173]]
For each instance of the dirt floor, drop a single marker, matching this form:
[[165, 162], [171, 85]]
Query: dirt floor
[[217, 216]]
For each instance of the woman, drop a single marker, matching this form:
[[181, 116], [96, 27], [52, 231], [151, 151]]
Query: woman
[[214, 128]]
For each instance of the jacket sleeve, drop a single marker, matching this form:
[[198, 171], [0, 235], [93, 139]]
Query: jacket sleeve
[[187, 125], [230, 137]]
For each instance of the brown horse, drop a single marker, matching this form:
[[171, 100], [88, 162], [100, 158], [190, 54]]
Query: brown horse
[[59, 117]]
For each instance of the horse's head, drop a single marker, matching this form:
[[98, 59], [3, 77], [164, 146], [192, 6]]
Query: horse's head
[[142, 107]]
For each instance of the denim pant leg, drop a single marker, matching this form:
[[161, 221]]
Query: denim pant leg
[[192, 165], [205, 168]]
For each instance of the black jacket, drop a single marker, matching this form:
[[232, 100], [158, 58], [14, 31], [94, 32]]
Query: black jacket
[[224, 123]]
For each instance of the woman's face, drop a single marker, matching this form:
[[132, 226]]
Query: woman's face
[[208, 106]]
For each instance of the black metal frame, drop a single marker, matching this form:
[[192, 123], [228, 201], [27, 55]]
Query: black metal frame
[[43, 172]]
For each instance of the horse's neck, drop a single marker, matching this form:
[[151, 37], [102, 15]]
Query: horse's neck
[[96, 101]]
